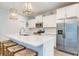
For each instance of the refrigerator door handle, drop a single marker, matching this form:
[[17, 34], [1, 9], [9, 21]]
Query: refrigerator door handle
[[63, 35]]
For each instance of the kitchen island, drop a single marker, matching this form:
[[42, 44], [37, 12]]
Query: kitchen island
[[43, 44]]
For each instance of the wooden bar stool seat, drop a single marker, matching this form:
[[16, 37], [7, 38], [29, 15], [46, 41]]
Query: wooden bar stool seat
[[0, 48], [1, 45], [6, 45], [12, 50], [26, 52], [6, 41]]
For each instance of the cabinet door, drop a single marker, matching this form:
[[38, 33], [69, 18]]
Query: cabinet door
[[49, 21], [39, 19], [71, 35], [31, 23], [61, 13], [48, 48], [72, 10]]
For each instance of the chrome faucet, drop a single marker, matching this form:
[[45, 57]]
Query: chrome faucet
[[22, 29]]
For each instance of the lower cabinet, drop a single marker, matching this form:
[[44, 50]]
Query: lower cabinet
[[48, 48]]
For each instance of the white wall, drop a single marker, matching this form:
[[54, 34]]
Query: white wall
[[8, 26]]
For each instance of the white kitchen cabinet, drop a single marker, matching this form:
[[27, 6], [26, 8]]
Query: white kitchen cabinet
[[72, 10], [39, 19], [48, 48], [69, 11], [49, 21], [61, 13], [31, 23]]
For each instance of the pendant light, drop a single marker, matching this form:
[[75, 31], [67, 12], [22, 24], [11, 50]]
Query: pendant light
[[27, 8], [13, 13]]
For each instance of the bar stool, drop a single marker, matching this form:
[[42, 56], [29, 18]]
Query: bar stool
[[6, 45], [26, 52], [0, 48], [12, 50], [1, 45]]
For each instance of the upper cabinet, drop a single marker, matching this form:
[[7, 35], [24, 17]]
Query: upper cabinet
[[69, 11], [31, 23], [49, 21], [61, 13], [39, 19], [72, 10]]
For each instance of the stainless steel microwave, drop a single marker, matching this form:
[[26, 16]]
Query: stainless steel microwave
[[39, 25]]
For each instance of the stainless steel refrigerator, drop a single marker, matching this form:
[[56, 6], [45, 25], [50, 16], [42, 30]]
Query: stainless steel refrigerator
[[67, 35]]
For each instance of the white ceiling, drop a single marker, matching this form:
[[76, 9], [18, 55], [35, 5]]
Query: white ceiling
[[38, 7]]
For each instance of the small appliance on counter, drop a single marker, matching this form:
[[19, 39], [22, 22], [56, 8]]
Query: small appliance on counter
[[39, 31], [39, 25]]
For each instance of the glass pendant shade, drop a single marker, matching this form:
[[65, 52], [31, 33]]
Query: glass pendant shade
[[13, 14], [28, 8]]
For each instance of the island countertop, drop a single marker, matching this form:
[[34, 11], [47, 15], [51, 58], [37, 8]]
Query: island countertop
[[34, 40], [43, 44]]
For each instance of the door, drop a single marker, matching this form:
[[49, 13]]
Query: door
[[71, 35], [60, 35]]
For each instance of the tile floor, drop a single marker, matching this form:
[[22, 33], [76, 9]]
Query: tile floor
[[60, 53]]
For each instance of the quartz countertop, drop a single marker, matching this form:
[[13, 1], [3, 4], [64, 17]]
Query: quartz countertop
[[34, 40]]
